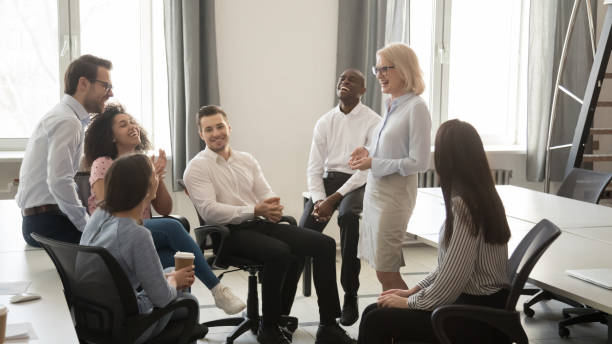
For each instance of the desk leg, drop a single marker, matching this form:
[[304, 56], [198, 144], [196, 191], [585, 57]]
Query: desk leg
[[307, 277]]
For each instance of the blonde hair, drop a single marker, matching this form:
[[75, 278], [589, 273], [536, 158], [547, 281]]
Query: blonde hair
[[406, 63]]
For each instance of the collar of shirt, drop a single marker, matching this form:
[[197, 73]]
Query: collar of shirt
[[354, 111], [392, 104], [210, 154], [77, 107]]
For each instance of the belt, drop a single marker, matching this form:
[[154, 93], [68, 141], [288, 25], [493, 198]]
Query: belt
[[332, 175], [45, 208]]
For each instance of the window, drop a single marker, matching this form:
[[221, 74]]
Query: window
[[129, 33], [29, 65], [474, 61]]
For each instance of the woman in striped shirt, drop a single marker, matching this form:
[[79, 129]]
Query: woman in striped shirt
[[473, 256]]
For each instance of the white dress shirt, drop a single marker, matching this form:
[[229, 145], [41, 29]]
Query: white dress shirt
[[335, 137], [225, 191], [402, 142], [51, 160]]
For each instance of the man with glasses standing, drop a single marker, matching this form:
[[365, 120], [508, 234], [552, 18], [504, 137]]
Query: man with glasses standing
[[47, 193], [334, 185]]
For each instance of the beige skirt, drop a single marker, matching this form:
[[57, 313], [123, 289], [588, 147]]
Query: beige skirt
[[387, 206]]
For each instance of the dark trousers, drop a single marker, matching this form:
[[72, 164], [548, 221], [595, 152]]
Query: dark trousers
[[281, 248], [52, 224], [349, 210], [382, 325]]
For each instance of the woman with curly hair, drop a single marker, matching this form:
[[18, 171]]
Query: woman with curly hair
[[114, 133]]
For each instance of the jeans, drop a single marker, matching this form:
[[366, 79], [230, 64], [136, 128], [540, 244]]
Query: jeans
[[53, 225], [169, 236]]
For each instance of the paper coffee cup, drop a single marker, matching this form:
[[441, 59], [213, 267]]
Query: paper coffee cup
[[183, 259], [3, 315]]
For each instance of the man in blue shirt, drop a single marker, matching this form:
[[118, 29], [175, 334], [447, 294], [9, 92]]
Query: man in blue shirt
[[47, 193]]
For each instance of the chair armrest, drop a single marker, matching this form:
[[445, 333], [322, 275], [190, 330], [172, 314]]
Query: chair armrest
[[289, 219], [182, 219], [508, 322], [137, 325], [203, 232]]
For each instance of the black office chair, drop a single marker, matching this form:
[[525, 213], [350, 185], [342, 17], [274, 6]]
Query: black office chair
[[81, 179], [588, 186], [584, 185], [507, 321], [102, 300], [213, 237]]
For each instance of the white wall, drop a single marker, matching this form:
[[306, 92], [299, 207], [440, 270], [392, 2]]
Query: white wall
[[277, 72]]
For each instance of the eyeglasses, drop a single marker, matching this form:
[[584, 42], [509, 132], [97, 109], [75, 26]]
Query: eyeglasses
[[382, 69], [107, 86]]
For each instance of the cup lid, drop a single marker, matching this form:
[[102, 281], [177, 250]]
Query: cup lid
[[184, 255], [3, 309]]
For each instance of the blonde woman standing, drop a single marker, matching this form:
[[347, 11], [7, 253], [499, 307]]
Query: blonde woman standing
[[400, 149]]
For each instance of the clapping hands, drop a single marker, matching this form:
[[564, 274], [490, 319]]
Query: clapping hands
[[159, 164]]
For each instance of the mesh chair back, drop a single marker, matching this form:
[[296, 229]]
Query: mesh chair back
[[584, 185], [526, 255], [83, 188], [98, 292]]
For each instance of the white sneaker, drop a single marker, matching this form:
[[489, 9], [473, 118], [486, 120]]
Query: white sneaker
[[226, 300]]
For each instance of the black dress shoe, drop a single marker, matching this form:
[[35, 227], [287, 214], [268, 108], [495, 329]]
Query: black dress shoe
[[350, 310], [271, 335], [288, 325], [333, 334]]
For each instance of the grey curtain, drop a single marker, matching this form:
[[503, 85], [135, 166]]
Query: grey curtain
[[548, 21], [361, 32], [192, 74]]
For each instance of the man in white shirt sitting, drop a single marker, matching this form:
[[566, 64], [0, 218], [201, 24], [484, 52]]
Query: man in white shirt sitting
[[228, 187], [334, 185], [47, 193]]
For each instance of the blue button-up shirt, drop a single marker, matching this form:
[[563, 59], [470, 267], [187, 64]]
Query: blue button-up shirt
[[402, 141], [51, 160]]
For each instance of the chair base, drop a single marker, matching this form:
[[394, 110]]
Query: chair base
[[544, 295], [242, 324], [583, 315]]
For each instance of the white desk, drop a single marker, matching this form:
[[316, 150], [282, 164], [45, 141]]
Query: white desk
[[603, 234], [533, 206], [49, 316]]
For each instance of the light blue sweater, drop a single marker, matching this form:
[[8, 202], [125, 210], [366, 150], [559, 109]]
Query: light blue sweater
[[132, 245]]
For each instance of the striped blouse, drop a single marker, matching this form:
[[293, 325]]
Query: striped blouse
[[467, 265]]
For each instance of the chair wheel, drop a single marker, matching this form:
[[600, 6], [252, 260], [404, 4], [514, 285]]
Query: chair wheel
[[254, 330], [528, 311], [564, 332]]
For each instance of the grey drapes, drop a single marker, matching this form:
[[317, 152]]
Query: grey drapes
[[361, 32], [548, 21], [192, 74]]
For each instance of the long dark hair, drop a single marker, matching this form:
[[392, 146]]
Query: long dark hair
[[462, 165], [99, 135], [127, 182]]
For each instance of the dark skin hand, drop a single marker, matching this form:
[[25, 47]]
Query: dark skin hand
[[324, 209]]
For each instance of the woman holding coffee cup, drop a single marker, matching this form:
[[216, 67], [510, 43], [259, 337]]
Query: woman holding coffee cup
[[114, 133], [129, 185]]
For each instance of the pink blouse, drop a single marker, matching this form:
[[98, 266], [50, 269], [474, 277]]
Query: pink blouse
[[98, 171]]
